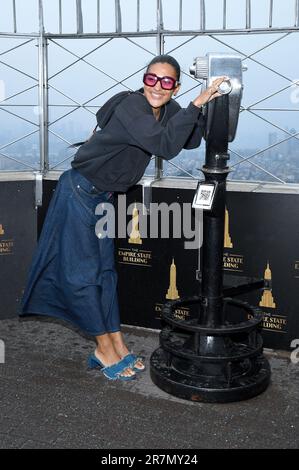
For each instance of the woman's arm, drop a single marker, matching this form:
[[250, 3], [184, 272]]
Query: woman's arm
[[207, 95], [196, 135], [144, 131], [183, 130]]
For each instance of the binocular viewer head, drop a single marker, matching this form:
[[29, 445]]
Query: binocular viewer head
[[219, 64]]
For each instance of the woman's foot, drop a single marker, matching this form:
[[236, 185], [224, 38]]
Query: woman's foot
[[122, 350], [108, 356], [111, 359]]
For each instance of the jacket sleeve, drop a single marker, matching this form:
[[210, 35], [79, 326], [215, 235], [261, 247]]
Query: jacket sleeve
[[184, 128], [196, 135]]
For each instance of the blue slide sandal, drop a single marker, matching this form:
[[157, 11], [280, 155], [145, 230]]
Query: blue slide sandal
[[131, 360], [111, 372]]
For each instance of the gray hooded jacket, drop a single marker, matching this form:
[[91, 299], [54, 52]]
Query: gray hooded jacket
[[116, 156]]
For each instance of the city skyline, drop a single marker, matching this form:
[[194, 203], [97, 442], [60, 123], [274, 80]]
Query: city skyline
[[273, 160], [85, 72]]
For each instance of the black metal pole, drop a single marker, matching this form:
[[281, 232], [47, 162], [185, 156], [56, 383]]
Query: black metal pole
[[215, 171], [212, 358]]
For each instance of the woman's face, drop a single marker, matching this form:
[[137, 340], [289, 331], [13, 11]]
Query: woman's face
[[155, 95]]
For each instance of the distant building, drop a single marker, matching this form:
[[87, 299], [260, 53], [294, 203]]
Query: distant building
[[293, 143], [272, 139]]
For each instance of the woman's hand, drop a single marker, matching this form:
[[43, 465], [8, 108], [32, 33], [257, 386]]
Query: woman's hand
[[210, 93]]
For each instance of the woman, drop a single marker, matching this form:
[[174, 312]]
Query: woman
[[72, 276]]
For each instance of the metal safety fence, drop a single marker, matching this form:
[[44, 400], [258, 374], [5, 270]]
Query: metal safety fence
[[60, 60]]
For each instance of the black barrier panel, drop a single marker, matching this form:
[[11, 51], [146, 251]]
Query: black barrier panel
[[48, 191], [260, 241], [17, 241], [144, 267], [261, 234], [263, 230]]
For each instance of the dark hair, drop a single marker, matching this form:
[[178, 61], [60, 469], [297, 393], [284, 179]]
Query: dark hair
[[166, 59]]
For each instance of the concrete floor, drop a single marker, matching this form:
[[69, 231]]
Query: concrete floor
[[48, 399]]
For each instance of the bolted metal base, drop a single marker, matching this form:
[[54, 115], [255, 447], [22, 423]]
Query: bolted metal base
[[251, 377]]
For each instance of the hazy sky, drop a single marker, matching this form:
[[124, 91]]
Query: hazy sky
[[27, 14], [120, 58]]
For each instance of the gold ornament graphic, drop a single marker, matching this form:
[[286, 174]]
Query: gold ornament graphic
[[1, 230], [172, 293], [267, 299], [227, 239], [135, 234]]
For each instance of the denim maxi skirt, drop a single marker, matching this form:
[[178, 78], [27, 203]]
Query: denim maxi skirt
[[72, 275]]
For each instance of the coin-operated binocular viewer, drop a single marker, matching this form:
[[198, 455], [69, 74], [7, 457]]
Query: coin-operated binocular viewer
[[216, 355]]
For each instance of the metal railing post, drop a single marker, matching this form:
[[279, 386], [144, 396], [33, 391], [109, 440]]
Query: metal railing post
[[79, 17], [160, 50], [271, 14], [43, 95], [14, 16], [202, 15], [248, 14], [118, 24]]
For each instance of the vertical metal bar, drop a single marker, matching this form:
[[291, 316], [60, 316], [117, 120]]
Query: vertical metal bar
[[138, 16], [271, 14], [224, 14], [160, 50], [296, 23], [202, 15], [79, 17], [41, 17], [60, 16], [38, 189], [98, 16], [14, 16], [43, 101], [46, 104], [159, 15], [118, 26], [181, 15], [248, 14], [43, 92]]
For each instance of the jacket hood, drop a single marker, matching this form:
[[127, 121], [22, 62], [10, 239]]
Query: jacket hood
[[105, 113]]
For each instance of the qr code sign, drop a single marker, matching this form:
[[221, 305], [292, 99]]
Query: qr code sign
[[205, 194]]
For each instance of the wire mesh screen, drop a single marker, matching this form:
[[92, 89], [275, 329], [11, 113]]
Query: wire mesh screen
[[60, 60]]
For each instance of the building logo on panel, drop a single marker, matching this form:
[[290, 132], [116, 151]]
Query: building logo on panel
[[267, 299], [6, 246], [272, 320], [227, 238], [181, 313], [172, 293], [135, 237], [133, 254], [231, 261]]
